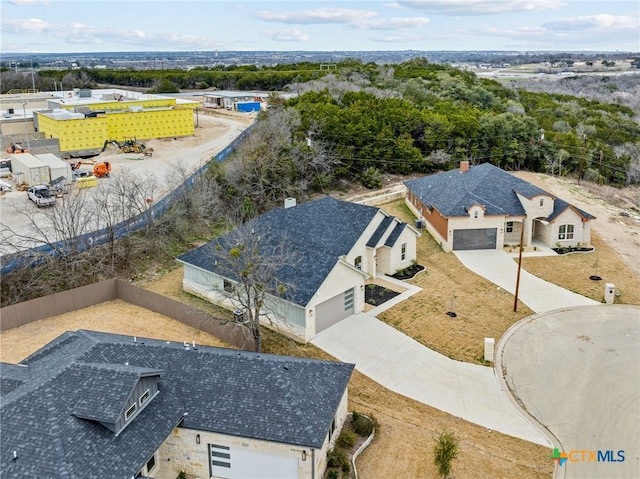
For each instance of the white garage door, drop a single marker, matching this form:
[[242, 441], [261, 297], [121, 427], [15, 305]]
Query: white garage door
[[240, 463], [334, 310]]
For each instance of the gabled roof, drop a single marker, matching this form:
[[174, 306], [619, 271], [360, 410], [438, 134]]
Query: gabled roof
[[452, 192], [317, 234], [106, 388], [260, 396], [559, 206]]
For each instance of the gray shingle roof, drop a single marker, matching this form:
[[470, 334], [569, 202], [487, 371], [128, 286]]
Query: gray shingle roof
[[106, 387], [317, 234], [452, 192], [261, 396]]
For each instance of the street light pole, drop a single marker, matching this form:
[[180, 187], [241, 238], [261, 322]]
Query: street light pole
[[24, 113], [515, 302]]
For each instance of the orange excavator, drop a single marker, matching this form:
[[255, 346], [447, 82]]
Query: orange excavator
[[100, 170]]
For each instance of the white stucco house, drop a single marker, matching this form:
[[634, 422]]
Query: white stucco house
[[91, 404], [337, 246], [485, 207]]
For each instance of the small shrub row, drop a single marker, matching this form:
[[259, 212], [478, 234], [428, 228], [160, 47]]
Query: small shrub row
[[362, 425]]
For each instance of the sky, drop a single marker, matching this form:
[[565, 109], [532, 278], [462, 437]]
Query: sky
[[84, 26]]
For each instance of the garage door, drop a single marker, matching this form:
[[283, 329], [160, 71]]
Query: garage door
[[334, 310], [475, 239], [238, 463]]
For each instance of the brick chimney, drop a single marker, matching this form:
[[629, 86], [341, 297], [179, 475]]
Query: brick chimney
[[464, 166]]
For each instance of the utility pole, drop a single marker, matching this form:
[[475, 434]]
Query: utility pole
[[582, 157], [600, 179], [515, 302], [33, 78]]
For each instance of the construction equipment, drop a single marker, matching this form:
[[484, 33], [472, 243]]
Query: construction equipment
[[130, 145], [16, 148], [100, 170]]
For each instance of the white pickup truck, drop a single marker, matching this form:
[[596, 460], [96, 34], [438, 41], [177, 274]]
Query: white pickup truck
[[41, 195]]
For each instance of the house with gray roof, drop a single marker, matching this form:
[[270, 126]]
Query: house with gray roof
[[93, 404], [485, 207], [334, 246]]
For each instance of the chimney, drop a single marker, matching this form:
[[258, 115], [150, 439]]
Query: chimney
[[289, 202], [464, 166]]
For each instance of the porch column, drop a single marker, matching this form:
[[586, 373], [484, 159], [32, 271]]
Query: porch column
[[528, 232]]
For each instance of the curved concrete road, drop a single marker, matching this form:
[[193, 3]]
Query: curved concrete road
[[577, 372]]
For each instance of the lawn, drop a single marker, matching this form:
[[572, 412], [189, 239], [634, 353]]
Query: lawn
[[482, 309]]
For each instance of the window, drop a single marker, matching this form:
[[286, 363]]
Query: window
[[151, 463], [332, 429], [348, 300], [541, 201], [145, 397], [129, 412], [475, 215], [358, 262], [227, 286], [509, 226], [220, 456], [565, 232], [403, 251]]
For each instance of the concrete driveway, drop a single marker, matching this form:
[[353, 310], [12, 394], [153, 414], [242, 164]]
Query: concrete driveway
[[539, 295], [405, 366], [577, 372]]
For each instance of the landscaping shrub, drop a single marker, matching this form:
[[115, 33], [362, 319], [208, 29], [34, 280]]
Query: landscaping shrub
[[346, 439], [337, 458], [333, 474], [362, 425]]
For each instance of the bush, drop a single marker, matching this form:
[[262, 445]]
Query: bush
[[445, 450], [332, 474], [371, 178], [346, 439], [362, 425], [337, 458]]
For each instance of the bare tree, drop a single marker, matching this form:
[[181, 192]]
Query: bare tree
[[255, 262]]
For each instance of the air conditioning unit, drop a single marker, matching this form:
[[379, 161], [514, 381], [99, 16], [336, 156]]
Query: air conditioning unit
[[239, 316], [420, 224]]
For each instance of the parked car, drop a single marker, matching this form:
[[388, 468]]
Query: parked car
[[41, 195]]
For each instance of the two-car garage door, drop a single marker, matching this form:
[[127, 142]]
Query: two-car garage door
[[334, 310], [484, 238]]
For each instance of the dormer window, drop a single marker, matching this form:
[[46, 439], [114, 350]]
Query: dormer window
[[541, 201], [145, 397], [475, 215], [130, 412]]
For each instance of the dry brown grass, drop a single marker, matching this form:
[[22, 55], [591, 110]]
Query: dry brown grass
[[483, 310], [572, 272]]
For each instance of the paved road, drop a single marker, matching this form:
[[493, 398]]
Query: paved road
[[539, 295], [577, 372], [405, 366]]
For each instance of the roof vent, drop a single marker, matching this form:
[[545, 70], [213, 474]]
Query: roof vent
[[289, 202]]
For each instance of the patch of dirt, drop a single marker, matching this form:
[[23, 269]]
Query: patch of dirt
[[606, 203], [377, 295]]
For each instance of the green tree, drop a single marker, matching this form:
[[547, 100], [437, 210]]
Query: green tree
[[445, 450]]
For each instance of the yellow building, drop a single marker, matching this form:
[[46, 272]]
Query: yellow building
[[85, 119]]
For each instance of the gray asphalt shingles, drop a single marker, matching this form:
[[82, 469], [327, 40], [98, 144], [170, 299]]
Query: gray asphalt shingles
[[274, 398]]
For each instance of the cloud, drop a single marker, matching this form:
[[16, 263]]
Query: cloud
[[396, 23], [399, 38], [27, 25], [316, 16], [80, 33], [286, 35], [20, 3], [480, 7], [593, 22]]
